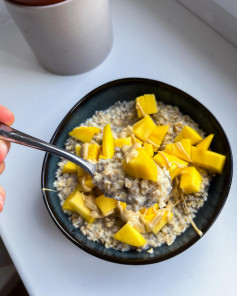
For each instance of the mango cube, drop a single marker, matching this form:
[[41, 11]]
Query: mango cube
[[144, 128], [105, 204], [150, 213], [122, 141], [84, 133], [75, 203], [167, 216], [171, 162], [190, 181], [188, 133], [208, 159], [149, 149], [181, 149], [69, 168], [108, 142], [122, 204], [129, 235], [80, 171], [141, 166], [91, 151], [205, 143], [157, 136], [146, 105], [86, 181]]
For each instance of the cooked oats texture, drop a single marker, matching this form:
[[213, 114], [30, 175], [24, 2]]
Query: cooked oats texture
[[165, 193]]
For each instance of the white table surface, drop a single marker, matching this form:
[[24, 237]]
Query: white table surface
[[154, 39]]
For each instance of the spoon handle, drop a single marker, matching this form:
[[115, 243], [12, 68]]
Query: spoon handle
[[12, 135]]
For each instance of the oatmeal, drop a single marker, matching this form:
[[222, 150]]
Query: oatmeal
[[113, 181], [149, 161]]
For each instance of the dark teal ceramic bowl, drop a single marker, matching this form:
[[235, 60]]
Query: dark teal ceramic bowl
[[127, 90]]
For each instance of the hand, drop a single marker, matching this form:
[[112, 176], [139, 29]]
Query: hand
[[7, 117]]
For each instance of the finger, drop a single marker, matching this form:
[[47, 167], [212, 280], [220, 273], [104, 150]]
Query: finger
[[2, 198], [6, 116], [4, 148], [2, 167]]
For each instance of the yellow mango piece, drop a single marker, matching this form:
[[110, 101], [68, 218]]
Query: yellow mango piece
[[84, 133], [164, 220], [75, 203], [190, 181], [171, 162], [122, 141], [150, 213], [86, 181], [205, 143], [146, 105], [208, 159], [188, 133], [69, 168], [108, 142], [174, 172], [129, 235], [90, 151], [149, 149], [157, 136], [141, 166], [136, 140], [151, 105], [80, 171], [143, 128], [181, 149], [78, 150], [105, 204], [122, 204]]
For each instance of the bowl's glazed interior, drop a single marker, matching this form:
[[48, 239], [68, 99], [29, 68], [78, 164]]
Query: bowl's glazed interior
[[127, 90]]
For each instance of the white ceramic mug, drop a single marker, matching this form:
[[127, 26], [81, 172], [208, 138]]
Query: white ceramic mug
[[67, 38]]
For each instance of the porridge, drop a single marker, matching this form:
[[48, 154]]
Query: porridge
[[153, 170]]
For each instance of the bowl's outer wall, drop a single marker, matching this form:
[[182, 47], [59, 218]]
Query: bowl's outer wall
[[127, 90]]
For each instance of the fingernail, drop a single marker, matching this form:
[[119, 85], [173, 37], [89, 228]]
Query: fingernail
[[2, 200]]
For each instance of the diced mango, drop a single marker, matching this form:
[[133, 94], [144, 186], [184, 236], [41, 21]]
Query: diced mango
[[129, 235], [151, 105], [90, 151], [188, 133], [149, 149], [208, 159], [78, 150], [168, 215], [122, 141], [105, 204], [157, 136], [144, 128], [149, 213], [108, 142], [205, 143], [190, 181], [171, 162], [135, 140], [84, 133], [122, 204], [69, 168], [75, 203], [80, 171], [141, 166], [181, 149], [86, 181], [146, 105]]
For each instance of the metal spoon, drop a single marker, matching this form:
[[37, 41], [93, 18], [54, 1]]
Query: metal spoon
[[12, 135]]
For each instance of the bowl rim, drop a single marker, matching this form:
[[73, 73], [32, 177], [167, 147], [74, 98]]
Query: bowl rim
[[151, 260]]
